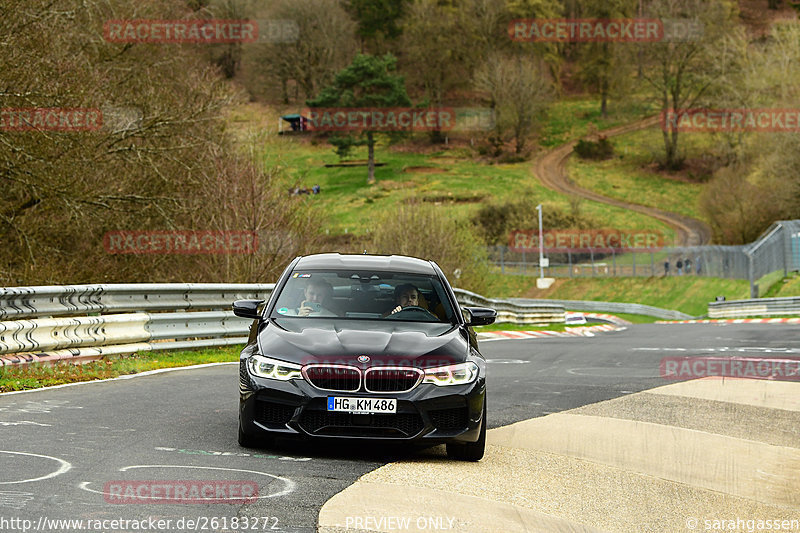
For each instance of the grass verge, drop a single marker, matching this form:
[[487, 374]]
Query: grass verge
[[35, 376]]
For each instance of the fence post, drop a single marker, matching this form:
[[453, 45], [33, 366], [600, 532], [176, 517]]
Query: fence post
[[569, 260], [614, 261], [652, 264], [787, 235], [502, 259], [634, 263], [594, 272], [524, 265], [750, 274]]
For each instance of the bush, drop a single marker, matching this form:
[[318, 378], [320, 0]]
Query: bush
[[420, 230], [495, 222], [602, 149]]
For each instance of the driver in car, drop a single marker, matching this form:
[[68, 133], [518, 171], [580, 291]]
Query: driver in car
[[405, 295]]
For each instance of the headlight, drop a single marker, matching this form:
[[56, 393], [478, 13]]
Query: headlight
[[459, 374], [273, 369]]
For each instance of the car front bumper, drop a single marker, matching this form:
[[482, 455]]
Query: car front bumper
[[428, 414]]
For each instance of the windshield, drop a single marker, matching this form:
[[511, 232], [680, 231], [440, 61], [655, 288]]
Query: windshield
[[364, 295]]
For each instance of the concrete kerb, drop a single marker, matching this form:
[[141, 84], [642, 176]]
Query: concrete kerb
[[572, 471]]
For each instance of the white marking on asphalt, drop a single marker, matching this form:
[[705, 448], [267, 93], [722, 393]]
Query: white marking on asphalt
[[605, 372], [289, 484], [507, 361], [724, 349], [232, 454], [64, 467], [15, 500], [43, 407], [24, 423]]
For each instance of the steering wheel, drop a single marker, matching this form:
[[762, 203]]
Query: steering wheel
[[413, 308]]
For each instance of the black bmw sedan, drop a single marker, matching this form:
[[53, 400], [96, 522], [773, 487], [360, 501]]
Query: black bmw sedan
[[364, 347]]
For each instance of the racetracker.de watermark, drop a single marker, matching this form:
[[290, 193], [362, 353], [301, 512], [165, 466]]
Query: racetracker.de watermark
[[586, 30], [732, 120], [635, 30], [180, 242], [180, 491], [586, 240], [215, 31], [380, 119], [398, 119], [682, 368], [50, 119], [70, 119]]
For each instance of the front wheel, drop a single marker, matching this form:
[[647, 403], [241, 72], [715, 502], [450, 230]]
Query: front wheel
[[245, 440], [471, 451]]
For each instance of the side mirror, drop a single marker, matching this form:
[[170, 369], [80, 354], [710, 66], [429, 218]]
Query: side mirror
[[247, 308], [479, 316]]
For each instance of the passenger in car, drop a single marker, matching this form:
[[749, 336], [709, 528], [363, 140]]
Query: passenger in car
[[318, 299]]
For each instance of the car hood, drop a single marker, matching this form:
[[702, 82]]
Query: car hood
[[317, 340]]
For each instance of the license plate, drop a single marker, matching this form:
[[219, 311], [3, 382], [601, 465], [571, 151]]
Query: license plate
[[362, 405]]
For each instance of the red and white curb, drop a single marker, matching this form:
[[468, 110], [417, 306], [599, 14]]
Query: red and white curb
[[580, 331], [734, 321], [608, 318]]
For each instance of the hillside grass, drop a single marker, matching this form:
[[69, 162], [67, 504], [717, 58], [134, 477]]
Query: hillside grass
[[687, 294], [455, 177], [633, 175], [784, 287], [458, 180], [574, 117]]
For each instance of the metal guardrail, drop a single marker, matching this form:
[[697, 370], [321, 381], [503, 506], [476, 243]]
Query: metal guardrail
[[66, 300], [610, 307], [755, 307], [513, 311], [45, 325], [85, 322]]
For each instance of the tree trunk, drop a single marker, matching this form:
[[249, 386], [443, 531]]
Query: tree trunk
[[370, 158], [671, 147], [604, 97]]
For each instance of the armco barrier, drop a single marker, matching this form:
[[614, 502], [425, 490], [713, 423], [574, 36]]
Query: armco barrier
[[46, 323], [68, 300], [512, 311], [757, 307], [84, 322], [610, 307]]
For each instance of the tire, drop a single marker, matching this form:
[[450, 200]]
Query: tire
[[471, 451], [245, 440]]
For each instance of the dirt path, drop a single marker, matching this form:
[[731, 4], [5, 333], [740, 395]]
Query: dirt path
[[551, 169]]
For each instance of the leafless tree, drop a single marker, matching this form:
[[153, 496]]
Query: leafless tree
[[519, 88], [692, 70], [146, 168], [325, 43]]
